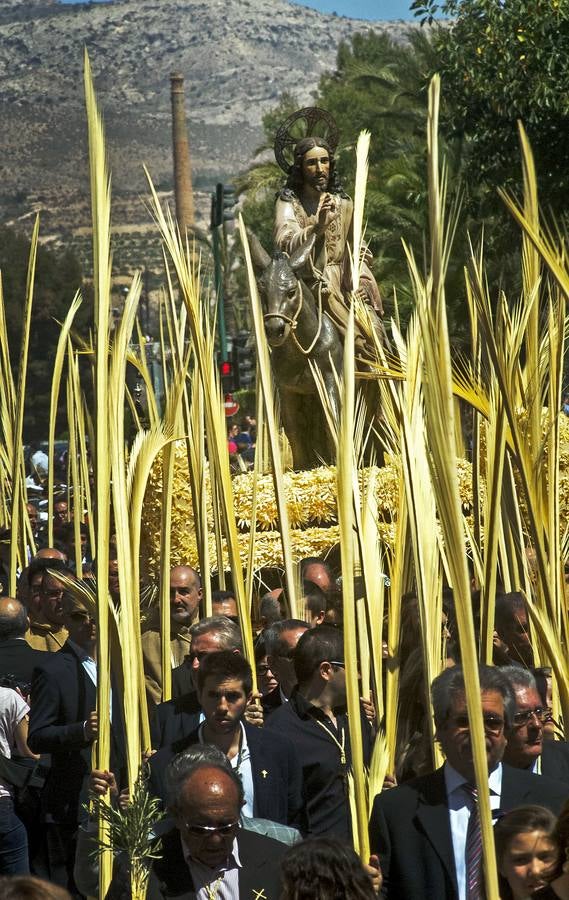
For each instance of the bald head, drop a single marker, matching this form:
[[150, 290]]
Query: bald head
[[212, 796], [51, 553], [13, 619], [207, 785]]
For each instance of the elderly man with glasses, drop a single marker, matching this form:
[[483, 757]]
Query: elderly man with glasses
[[426, 831], [527, 748], [208, 854]]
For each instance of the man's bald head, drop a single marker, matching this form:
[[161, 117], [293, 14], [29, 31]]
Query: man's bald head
[[51, 553], [13, 619], [208, 784]]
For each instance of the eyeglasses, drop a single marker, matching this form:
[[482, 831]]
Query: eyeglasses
[[263, 670], [524, 717], [492, 724], [337, 663], [207, 830], [191, 657]]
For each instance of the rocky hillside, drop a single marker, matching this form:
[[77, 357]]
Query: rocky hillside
[[237, 56]]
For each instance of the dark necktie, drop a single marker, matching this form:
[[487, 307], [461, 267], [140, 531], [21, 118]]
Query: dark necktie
[[473, 849]]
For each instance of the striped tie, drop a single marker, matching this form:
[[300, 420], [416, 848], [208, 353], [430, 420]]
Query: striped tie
[[473, 849]]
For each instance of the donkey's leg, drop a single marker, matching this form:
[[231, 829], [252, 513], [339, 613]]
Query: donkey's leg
[[297, 430]]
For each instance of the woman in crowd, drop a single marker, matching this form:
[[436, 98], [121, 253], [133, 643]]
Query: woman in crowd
[[526, 851], [558, 887], [324, 868]]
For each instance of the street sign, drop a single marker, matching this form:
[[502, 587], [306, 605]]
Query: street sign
[[230, 405]]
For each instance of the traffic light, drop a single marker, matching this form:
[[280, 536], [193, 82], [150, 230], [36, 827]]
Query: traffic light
[[222, 203], [227, 377], [244, 361]]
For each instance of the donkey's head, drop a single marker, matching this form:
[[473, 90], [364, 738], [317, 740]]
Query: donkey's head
[[279, 287]]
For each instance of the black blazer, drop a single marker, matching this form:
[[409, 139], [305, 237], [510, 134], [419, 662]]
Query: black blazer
[[62, 697], [182, 680], [276, 770], [410, 830], [19, 659], [555, 760], [271, 701], [174, 720], [170, 876]]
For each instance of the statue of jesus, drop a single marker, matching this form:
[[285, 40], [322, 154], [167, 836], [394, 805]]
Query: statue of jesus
[[313, 202]]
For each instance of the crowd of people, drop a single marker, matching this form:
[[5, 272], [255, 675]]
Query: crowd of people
[[253, 787]]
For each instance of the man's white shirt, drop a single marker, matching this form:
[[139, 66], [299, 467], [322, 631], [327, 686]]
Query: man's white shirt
[[459, 807]]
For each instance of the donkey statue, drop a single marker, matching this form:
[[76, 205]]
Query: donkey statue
[[299, 334]]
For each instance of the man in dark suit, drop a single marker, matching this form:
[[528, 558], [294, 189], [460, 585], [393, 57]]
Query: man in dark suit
[[419, 830], [207, 851], [63, 722], [17, 658], [527, 748], [267, 763]]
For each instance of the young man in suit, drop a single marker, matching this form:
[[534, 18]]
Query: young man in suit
[[175, 719], [267, 764], [420, 829]]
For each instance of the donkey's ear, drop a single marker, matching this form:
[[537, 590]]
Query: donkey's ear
[[300, 256], [259, 256]]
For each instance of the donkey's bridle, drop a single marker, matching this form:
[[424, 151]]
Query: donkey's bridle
[[294, 320]]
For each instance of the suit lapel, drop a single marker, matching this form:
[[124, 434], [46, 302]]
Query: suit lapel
[[86, 690], [433, 818], [172, 871], [254, 862], [254, 741]]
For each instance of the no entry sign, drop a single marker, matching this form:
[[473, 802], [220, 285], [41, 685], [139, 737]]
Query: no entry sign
[[230, 405]]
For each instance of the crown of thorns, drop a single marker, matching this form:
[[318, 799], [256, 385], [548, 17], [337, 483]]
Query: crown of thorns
[[308, 122]]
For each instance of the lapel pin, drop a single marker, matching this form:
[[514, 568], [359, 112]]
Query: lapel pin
[[264, 773], [259, 895]]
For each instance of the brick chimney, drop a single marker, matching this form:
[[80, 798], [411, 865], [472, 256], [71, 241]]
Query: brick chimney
[[181, 149]]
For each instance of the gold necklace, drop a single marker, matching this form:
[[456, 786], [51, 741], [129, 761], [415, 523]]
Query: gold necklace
[[212, 891], [341, 746]]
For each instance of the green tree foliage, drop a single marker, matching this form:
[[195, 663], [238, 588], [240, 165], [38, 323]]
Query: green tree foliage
[[58, 276], [502, 63]]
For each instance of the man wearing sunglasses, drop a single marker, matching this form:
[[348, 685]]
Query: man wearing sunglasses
[[526, 747], [208, 854], [426, 831], [315, 720]]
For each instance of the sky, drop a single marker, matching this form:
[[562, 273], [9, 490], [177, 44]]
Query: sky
[[356, 9]]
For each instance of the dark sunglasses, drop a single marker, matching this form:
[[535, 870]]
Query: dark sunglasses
[[492, 724], [206, 830]]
